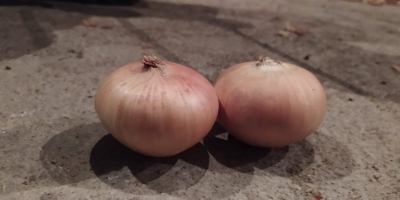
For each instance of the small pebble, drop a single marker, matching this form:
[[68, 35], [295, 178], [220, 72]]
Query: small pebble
[[318, 197], [8, 68]]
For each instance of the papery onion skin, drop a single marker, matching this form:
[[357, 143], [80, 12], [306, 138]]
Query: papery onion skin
[[268, 103], [157, 111]]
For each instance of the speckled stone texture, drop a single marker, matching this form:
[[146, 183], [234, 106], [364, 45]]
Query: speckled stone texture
[[52, 145]]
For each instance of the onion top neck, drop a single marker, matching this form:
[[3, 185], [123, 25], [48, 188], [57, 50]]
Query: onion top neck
[[269, 64], [150, 61]]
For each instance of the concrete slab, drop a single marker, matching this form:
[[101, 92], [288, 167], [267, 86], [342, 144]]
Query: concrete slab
[[52, 145]]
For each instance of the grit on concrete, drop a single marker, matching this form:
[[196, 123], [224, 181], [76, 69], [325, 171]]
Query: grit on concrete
[[52, 145]]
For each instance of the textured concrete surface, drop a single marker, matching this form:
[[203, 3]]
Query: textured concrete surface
[[53, 147]]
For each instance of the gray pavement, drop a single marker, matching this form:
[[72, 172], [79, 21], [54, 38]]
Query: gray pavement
[[52, 145]]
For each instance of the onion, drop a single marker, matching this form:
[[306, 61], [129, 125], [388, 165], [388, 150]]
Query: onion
[[157, 108], [268, 103]]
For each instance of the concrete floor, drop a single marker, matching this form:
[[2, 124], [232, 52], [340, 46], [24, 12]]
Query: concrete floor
[[53, 147]]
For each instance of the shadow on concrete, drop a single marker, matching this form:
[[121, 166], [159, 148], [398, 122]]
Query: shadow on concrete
[[109, 157], [233, 153], [87, 151], [66, 155], [298, 157], [303, 161], [333, 160], [244, 158]]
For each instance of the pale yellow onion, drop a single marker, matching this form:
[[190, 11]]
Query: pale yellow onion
[[157, 108], [269, 103]]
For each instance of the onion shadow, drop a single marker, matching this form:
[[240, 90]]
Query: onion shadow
[[232, 153], [88, 151], [288, 161], [232, 163], [317, 158], [114, 164], [124, 169], [222, 181], [333, 160], [244, 158], [66, 155]]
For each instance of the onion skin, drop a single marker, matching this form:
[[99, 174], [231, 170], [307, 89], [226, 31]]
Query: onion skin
[[157, 111], [268, 103]]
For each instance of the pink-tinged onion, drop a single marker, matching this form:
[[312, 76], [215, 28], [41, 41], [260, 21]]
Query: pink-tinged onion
[[157, 108], [269, 103]]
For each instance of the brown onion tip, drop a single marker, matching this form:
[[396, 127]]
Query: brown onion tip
[[150, 60], [266, 61]]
